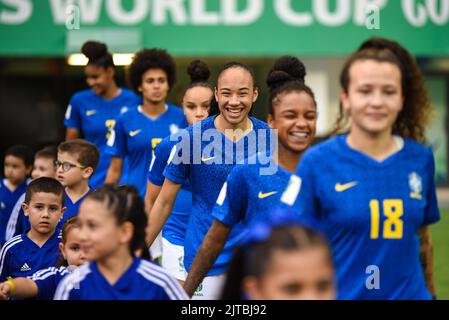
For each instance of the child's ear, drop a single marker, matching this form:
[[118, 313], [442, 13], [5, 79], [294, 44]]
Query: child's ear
[[62, 249], [126, 232], [25, 208], [87, 172], [270, 121]]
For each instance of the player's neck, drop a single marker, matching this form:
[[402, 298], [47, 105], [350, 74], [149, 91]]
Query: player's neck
[[39, 238], [378, 147], [153, 109], [287, 159], [233, 131], [114, 266], [77, 191], [111, 92]]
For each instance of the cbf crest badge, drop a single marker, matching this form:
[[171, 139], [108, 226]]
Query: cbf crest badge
[[415, 184]]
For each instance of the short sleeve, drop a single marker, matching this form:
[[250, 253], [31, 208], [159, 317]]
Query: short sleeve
[[157, 166], [300, 194], [179, 160], [72, 117], [232, 202], [432, 213], [116, 144]]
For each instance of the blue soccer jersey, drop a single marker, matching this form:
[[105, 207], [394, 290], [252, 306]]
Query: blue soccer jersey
[[95, 118], [175, 227], [21, 257], [8, 200], [47, 281], [143, 280], [206, 160], [72, 208], [136, 135], [371, 212], [249, 195]]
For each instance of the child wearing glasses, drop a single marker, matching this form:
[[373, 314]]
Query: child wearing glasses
[[76, 162], [37, 248]]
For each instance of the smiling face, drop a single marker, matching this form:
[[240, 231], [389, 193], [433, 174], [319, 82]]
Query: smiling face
[[294, 275], [154, 86], [100, 235], [294, 117], [196, 103], [235, 94], [44, 211], [374, 96]]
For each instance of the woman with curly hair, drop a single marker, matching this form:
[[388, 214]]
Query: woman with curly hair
[[92, 113], [136, 134], [373, 187]]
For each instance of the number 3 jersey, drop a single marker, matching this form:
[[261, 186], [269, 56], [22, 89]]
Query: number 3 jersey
[[371, 212]]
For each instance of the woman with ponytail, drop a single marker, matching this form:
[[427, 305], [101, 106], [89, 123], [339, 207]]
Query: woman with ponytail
[[197, 105], [92, 113], [248, 194], [372, 188]]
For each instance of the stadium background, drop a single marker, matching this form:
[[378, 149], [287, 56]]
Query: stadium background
[[37, 37]]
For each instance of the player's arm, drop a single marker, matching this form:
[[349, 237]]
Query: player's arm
[[162, 209], [151, 196], [426, 257], [114, 171], [71, 134], [18, 287], [205, 258]]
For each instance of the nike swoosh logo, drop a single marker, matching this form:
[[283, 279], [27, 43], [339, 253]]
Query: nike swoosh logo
[[343, 187], [90, 112], [206, 159], [264, 195], [134, 133]]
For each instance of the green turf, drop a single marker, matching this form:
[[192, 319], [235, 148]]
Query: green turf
[[440, 236]]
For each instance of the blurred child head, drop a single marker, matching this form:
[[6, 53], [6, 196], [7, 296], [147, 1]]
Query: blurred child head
[[112, 222], [44, 205], [70, 246], [77, 160], [281, 260], [44, 163], [18, 164]]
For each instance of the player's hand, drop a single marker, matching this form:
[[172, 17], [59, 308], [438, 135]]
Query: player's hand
[[4, 291]]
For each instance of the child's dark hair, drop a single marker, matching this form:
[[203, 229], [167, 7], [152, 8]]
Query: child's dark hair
[[46, 185], [147, 59], [70, 224], [48, 152], [125, 204], [98, 54], [253, 259], [414, 116], [236, 64], [199, 74], [22, 152], [86, 153], [287, 75]]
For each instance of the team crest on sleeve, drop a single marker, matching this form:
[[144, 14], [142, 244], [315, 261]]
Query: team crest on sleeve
[[415, 184], [123, 109], [291, 192], [173, 128]]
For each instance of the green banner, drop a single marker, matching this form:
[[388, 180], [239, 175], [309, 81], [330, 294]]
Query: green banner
[[222, 27]]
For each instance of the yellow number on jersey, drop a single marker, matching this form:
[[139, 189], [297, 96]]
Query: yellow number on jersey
[[393, 226], [110, 125], [154, 143]]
